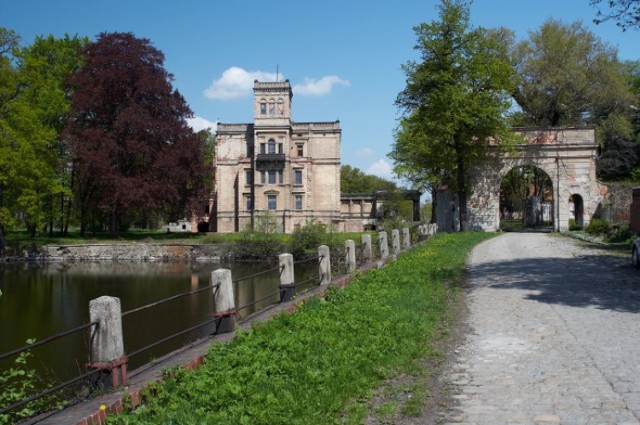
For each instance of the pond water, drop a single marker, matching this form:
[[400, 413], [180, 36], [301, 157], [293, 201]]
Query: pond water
[[42, 300]]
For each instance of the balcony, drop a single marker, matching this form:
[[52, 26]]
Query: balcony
[[270, 161]]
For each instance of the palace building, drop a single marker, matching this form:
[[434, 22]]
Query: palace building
[[275, 169]]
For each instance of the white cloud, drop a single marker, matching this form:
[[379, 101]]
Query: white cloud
[[364, 152], [381, 168], [237, 82], [199, 123], [313, 87]]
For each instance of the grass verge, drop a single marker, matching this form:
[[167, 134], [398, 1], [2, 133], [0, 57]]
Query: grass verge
[[323, 364]]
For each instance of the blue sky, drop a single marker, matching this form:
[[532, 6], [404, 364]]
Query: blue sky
[[343, 58]]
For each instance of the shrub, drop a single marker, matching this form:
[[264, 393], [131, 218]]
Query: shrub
[[619, 232], [306, 240], [597, 226], [573, 225]]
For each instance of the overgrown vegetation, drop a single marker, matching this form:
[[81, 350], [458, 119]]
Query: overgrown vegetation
[[19, 382], [616, 236], [321, 364]]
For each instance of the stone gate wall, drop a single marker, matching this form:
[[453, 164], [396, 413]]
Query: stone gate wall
[[567, 155]]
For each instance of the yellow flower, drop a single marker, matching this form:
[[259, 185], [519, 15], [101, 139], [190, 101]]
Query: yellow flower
[[103, 407]]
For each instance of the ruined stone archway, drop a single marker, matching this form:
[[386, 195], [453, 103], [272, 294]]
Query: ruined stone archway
[[566, 155]]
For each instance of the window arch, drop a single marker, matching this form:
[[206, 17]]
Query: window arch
[[263, 107], [272, 107]]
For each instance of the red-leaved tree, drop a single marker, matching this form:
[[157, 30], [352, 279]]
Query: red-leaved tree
[[135, 157]]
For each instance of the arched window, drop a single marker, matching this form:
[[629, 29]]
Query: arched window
[[280, 106], [263, 107], [272, 107], [271, 146]]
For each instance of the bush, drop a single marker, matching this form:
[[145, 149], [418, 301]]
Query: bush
[[573, 225], [306, 240], [619, 232], [597, 226]]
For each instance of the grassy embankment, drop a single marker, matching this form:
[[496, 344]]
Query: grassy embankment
[[324, 363]]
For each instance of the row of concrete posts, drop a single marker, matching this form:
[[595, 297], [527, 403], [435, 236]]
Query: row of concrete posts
[[107, 342]]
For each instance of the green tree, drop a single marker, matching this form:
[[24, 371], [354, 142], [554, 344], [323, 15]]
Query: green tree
[[568, 76], [455, 100], [625, 13], [33, 107], [353, 180], [44, 67]]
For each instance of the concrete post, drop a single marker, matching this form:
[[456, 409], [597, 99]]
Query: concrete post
[[406, 239], [223, 300], [350, 248], [384, 245], [287, 279], [325, 264], [107, 342], [395, 242], [367, 252]]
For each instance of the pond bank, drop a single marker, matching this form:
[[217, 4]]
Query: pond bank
[[121, 252]]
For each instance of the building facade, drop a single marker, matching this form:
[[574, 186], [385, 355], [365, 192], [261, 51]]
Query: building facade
[[274, 170]]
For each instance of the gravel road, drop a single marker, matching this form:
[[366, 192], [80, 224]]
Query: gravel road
[[554, 336]]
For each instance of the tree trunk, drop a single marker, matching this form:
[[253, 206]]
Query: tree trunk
[[51, 217], [462, 190]]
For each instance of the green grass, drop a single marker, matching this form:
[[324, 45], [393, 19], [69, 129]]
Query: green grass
[[322, 364]]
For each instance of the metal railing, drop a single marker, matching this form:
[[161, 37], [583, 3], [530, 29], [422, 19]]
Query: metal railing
[[338, 266]]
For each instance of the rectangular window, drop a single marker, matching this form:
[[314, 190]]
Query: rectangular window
[[262, 177], [298, 177], [249, 202], [279, 147], [248, 175], [263, 148], [298, 201], [300, 151], [272, 177], [280, 177], [272, 202]]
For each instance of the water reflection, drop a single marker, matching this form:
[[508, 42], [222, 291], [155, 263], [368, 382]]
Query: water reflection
[[41, 300]]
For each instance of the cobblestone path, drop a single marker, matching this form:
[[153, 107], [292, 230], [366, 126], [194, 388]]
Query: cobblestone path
[[555, 336]]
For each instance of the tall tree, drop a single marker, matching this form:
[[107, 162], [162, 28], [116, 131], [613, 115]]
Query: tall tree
[[134, 152], [33, 107], [455, 100], [8, 157], [568, 76], [625, 13], [44, 67]]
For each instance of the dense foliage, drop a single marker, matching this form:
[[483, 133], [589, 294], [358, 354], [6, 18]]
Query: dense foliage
[[353, 180], [567, 76], [320, 365], [454, 102], [34, 103], [134, 152]]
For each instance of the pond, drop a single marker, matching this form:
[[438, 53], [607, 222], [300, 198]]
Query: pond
[[40, 300]]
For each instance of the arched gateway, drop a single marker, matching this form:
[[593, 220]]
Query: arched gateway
[[567, 155]]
